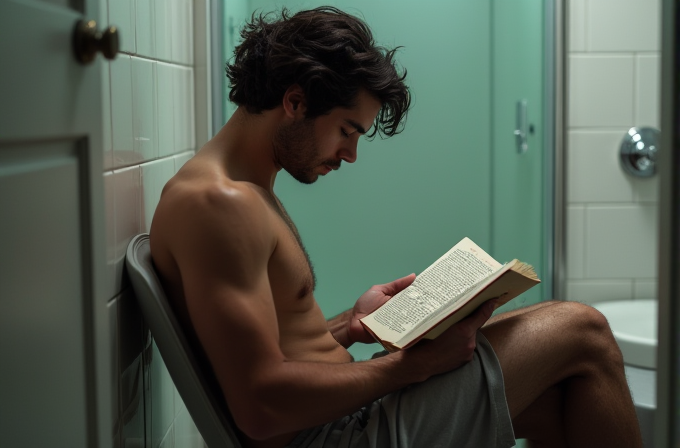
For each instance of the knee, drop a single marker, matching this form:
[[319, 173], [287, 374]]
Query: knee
[[595, 341]]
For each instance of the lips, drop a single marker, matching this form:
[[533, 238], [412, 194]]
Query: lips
[[326, 168]]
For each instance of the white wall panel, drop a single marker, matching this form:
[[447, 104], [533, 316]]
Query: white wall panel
[[645, 289], [577, 25], [121, 111], [647, 90], [184, 125], [152, 133], [144, 119], [107, 138], [622, 241], [181, 159], [154, 177], [592, 291], [594, 171], [182, 35], [601, 90], [112, 309], [646, 189], [111, 288], [576, 244], [145, 32], [624, 25], [166, 108], [162, 16], [613, 84], [127, 194], [122, 14]]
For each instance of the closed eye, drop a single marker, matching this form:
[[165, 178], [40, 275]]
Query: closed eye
[[343, 132]]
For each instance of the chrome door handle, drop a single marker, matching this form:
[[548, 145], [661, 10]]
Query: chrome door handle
[[522, 126]]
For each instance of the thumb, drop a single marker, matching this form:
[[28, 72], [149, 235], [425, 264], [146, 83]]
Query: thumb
[[397, 285]]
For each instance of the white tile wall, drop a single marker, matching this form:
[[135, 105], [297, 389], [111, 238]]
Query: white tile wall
[[127, 217], [621, 241], [122, 15], [148, 102], [166, 129], [591, 291], [594, 156], [107, 143], [112, 310], [111, 252], [577, 25], [601, 90], [644, 289], [182, 23], [613, 84], [623, 25], [647, 90], [144, 117], [154, 176], [121, 111], [646, 189], [181, 159], [576, 242], [163, 29], [183, 79], [145, 31]]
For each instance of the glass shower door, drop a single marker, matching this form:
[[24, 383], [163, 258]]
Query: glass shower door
[[410, 198]]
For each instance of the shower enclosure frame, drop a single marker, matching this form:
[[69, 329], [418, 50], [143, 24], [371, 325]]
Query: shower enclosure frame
[[667, 430], [555, 161]]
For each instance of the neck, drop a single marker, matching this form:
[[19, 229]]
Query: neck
[[244, 146]]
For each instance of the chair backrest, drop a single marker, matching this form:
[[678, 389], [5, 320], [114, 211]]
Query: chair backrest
[[190, 377]]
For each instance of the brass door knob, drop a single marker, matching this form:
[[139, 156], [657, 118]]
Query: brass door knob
[[87, 41]]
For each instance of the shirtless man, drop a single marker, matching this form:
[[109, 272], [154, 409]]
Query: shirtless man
[[308, 87]]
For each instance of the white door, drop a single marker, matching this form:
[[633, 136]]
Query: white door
[[54, 374]]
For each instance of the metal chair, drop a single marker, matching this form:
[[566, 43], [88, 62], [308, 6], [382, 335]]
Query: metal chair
[[194, 382]]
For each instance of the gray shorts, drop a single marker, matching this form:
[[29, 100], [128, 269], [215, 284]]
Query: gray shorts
[[462, 408]]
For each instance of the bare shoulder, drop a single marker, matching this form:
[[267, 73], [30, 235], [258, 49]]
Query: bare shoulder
[[200, 223]]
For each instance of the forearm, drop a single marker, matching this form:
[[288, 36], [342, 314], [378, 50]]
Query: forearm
[[291, 396], [339, 328]]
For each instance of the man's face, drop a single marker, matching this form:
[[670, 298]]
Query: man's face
[[308, 148]]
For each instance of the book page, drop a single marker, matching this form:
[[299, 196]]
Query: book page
[[447, 279]]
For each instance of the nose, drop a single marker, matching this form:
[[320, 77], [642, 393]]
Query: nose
[[349, 153]]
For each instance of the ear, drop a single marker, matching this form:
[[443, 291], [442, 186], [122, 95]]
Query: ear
[[294, 103]]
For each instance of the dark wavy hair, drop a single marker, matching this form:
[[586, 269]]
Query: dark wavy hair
[[330, 54]]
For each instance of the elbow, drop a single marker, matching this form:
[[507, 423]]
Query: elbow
[[257, 422]]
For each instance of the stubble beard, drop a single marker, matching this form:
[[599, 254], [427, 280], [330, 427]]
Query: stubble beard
[[296, 151]]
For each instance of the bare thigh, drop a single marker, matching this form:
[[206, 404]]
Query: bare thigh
[[538, 347]]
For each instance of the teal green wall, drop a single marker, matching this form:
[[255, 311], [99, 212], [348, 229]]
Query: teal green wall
[[518, 180], [410, 198], [235, 14]]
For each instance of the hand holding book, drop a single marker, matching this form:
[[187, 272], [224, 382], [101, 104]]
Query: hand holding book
[[446, 292]]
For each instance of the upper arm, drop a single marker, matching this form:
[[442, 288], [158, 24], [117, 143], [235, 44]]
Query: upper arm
[[222, 241]]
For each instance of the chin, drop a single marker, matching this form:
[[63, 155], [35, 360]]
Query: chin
[[306, 178]]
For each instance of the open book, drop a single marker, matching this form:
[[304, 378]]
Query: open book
[[446, 292]]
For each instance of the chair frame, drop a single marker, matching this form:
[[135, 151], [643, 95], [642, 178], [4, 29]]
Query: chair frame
[[209, 413]]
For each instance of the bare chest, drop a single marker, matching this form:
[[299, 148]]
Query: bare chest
[[291, 274]]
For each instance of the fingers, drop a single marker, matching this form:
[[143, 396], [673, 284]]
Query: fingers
[[397, 285], [475, 320]]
